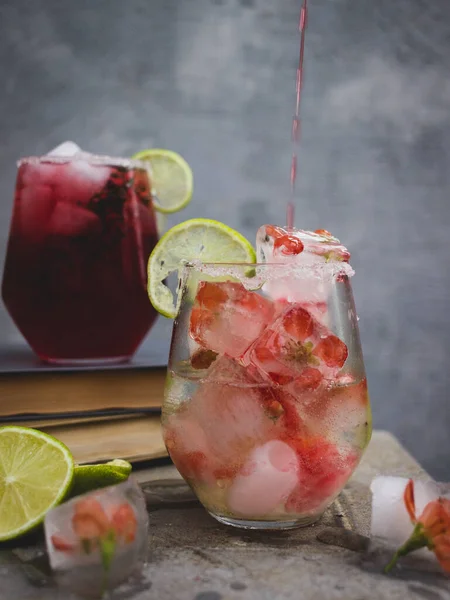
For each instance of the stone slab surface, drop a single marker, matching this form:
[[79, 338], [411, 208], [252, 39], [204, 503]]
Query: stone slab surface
[[192, 557]]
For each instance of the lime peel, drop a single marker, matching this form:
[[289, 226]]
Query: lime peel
[[171, 176], [92, 477], [36, 472], [205, 240]]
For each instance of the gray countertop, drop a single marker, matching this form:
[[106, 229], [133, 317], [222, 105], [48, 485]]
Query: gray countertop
[[192, 557]]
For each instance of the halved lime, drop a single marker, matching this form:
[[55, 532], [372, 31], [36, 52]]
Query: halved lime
[[171, 177], [92, 477], [196, 239], [36, 472]]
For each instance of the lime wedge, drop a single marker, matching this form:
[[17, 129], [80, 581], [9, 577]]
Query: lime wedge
[[171, 177], [196, 239], [36, 472], [91, 477]]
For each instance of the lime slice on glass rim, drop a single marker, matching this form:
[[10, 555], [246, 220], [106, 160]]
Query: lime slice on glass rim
[[36, 472], [196, 239], [171, 177], [87, 478]]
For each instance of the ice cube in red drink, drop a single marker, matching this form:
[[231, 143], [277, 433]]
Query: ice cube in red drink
[[227, 318], [69, 221], [296, 347]]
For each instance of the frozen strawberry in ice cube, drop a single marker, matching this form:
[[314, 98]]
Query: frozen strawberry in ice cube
[[188, 447], [312, 263], [274, 244], [324, 470], [332, 351], [227, 318], [265, 481], [226, 418], [287, 409], [297, 347], [202, 358]]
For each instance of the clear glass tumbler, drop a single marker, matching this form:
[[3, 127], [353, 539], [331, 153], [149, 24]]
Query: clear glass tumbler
[[266, 412]]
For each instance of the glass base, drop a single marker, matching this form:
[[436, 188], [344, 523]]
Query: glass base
[[85, 362], [267, 525]]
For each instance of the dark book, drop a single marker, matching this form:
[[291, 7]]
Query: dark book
[[135, 438], [30, 388]]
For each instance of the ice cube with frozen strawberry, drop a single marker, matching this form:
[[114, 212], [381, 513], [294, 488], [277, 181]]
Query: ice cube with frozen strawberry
[[296, 347], [226, 318], [276, 244], [229, 414], [317, 257], [323, 471]]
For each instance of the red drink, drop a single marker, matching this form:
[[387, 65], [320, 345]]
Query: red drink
[[75, 278]]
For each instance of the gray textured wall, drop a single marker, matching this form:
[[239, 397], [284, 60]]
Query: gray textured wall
[[213, 79]]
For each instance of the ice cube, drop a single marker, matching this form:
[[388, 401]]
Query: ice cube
[[71, 221], [65, 149], [188, 447], [74, 181], [275, 244], [324, 470], [390, 519], [79, 181], [33, 174], [227, 318], [32, 212], [306, 250], [297, 347], [109, 522], [225, 419], [345, 412], [265, 481]]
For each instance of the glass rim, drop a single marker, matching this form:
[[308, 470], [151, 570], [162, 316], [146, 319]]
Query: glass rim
[[195, 264], [92, 159], [247, 269]]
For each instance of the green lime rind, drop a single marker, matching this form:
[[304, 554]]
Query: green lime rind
[[197, 239], [171, 176], [92, 477], [36, 473]]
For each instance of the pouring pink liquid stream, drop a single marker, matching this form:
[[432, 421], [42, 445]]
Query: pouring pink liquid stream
[[296, 119]]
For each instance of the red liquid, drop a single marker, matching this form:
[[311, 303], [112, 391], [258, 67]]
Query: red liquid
[[296, 120], [75, 278]]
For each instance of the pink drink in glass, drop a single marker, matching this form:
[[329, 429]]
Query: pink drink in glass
[[75, 272], [266, 412]]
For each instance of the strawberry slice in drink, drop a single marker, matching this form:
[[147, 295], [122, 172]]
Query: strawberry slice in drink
[[323, 472], [317, 259], [296, 347], [227, 318]]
